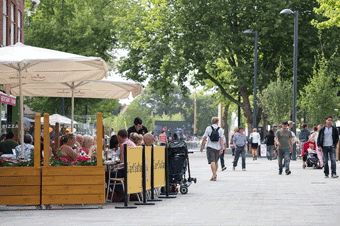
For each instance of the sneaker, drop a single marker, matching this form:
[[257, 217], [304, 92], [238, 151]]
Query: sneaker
[[335, 176], [303, 166], [288, 172], [280, 172], [243, 169], [326, 176], [233, 168], [224, 168]]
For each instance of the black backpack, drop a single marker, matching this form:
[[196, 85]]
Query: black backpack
[[214, 136]]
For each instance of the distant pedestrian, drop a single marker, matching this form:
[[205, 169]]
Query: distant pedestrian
[[327, 140], [255, 139], [214, 135], [232, 145], [240, 141], [169, 138], [112, 132], [270, 141], [163, 141], [284, 141], [303, 136], [223, 167]]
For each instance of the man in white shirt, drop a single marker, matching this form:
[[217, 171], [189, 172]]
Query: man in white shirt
[[214, 135]]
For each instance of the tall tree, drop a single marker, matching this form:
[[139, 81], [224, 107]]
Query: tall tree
[[331, 10], [79, 27], [319, 97], [168, 39]]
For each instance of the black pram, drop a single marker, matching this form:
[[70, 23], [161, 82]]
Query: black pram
[[178, 165]]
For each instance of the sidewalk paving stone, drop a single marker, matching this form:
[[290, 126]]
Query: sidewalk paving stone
[[258, 196]]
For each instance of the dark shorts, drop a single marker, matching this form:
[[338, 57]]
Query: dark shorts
[[254, 145], [212, 155]]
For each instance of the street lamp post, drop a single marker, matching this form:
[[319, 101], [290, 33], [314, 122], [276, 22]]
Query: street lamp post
[[248, 31], [296, 16]]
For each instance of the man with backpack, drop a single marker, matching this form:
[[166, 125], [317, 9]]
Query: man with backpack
[[214, 135]]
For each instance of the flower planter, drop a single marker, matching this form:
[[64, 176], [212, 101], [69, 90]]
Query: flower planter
[[73, 185], [20, 185]]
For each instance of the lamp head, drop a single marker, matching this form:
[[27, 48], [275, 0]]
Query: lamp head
[[286, 11], [248, 31]]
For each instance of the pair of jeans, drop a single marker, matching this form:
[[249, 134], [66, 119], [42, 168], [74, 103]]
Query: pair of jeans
[[222, 159], [284, 153], [331, 152], [270, 150], [240, 151]]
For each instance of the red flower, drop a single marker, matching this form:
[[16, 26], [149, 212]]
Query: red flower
[[56, 158], [2, 161]]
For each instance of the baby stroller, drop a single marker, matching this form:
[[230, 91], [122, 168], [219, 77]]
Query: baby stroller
[[312, 159], [178, 165]]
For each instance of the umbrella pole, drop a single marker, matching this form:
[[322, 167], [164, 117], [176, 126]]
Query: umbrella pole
[[72, 108], [21, 116]]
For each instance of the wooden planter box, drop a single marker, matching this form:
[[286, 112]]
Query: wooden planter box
[[73, 185], [20, 185]]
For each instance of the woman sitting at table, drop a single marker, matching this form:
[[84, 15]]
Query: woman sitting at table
[[67, 142], [136, 138], [88, 145]]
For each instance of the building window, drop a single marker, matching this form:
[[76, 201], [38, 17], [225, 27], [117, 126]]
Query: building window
[[12, 24], [19, 26], [4, 23]]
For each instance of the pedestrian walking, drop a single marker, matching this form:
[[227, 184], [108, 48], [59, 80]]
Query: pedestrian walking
[[303, 136], [270, 142], [232, 145], [327, 140], [290, 128], [240, 141], [223, 167], [284, 141], [214, 137], [255, 139]]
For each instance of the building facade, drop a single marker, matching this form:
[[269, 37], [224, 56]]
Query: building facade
[[11, 31], [12, 21]]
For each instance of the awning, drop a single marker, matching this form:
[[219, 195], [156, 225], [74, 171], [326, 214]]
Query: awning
[[5, 99]]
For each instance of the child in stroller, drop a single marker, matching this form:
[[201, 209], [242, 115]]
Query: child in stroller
[[310, 157]]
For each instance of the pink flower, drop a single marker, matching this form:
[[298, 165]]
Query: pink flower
[[2, 161]]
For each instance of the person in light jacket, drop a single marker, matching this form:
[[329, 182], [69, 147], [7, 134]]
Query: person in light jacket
[[256, 141]]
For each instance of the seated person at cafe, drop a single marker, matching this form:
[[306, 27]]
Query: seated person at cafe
[[136, 138], [119, 169], [67, 142], [79, 143], [137, 127], [2, 137], [114, 142], [149, 139], [27, 148], [88, 145], [8, 144]]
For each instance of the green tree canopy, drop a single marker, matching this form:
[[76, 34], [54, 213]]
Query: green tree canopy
[[331, 10], [319, 97], [168, 39]]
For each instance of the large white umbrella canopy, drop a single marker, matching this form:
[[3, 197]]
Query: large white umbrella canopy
[[105, 89], [53, 119], [27, 64]]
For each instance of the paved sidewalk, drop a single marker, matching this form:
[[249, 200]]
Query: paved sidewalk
[[258, 196]]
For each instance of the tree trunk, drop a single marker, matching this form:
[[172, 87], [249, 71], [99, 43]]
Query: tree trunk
[[225, 123]]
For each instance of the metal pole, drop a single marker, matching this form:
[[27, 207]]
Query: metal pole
[[63, 106], [21, 115], [195, 122], [296, 16], [255, 81], [72, 113], [239, 112]]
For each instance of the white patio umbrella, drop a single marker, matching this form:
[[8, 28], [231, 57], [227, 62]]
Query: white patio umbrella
[[53, 119], [104, 89], [26, 64]]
